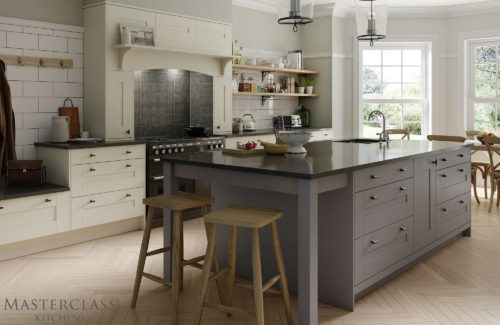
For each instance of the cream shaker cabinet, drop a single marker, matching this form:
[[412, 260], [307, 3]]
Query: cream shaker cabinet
[[119, 115]]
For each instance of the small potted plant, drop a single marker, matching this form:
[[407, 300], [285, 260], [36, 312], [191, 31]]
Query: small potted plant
[[301, 85], [309, 85]]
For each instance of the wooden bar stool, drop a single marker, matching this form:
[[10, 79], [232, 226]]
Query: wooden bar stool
[[177, 202], [248, 217]]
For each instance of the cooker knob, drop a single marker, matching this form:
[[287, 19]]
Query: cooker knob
[[163, 151], [210, 147], [157, 152], [221, 146], [169, 150], [182, 149], [176, 150]]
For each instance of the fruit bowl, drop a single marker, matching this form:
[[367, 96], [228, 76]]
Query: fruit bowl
[[295, 140], [484, 135]]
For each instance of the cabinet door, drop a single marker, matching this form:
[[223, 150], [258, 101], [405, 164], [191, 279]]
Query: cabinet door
[[119, 105], [222, 104], [424, 185], [174, 32], [213, 37]]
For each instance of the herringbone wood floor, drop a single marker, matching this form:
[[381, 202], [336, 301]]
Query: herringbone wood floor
[[458, 285]]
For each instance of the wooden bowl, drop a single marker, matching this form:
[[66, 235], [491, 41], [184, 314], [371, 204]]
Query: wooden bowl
[[480, 139], [274, 149]]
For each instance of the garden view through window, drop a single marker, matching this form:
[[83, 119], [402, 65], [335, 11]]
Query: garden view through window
[[485, 85], [393, 80]]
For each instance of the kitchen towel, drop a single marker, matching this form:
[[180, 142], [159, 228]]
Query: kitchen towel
[[7, 122]]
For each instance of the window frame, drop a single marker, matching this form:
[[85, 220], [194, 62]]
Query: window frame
[[471, 82], [425, 81]]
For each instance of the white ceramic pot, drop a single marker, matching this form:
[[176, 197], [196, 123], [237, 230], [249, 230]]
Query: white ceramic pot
[[309, 90], [60, 129], [295, 140], [301, 90]]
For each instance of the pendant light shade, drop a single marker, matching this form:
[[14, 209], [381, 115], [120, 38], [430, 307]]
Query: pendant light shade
[[371, 20], [297, 15]]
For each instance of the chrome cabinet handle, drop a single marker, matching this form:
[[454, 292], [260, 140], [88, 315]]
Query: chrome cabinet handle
[[373, 176], [402, 228], [403, 169], [92, 155], [158, 178], [92, 201], [374, 242], [445, 209], [403, 188], [373, 197], [48, 200]]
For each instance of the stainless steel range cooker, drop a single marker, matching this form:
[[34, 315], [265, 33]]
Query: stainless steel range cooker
[[158, 147]]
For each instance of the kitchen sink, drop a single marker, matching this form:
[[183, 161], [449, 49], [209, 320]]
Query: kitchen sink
[[368, 141]]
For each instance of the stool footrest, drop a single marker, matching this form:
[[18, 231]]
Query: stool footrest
[[219, 274], [229, 309], [159, 250], [249, 286], [271, 282], [194, 261], [156, 279]]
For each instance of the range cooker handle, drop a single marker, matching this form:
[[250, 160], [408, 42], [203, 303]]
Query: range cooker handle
[[158, 178], [156, 160]]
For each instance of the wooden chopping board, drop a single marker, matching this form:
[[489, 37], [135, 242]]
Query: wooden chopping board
[[74, 120], [243, 151]]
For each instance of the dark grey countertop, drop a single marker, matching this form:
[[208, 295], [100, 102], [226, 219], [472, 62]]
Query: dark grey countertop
[[322, 159], [83, 145], [14, 192], [264, 131]]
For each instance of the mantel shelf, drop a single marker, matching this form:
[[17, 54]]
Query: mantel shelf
[[129, 47], [269, 69], [274, 94]]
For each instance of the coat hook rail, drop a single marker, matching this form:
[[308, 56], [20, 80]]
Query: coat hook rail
[[36, 61]]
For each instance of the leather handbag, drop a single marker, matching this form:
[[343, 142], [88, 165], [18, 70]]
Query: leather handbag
[[25, 172]]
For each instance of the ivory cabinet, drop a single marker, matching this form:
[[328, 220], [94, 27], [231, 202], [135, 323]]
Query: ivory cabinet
[[106, 183], [34, 216]]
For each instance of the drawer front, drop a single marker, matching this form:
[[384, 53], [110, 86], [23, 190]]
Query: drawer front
[[380, 175], [107, 177], [452, 182], [33, 217], [175, 32], [381, 249], [452, 214], [98, 209], [116, 15], [382, 206], [323, 135], [451, 158], [213, 37], [95, 155]]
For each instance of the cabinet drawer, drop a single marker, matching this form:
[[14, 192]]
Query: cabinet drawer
[[116, 15], [33, 217], [452, 182], [382, 206], [175, 32], [380, 175], [97, 209], [322, 135], [95, 155], [107, 177], [381, 249], [213, 37], [451, 158], [452, 214]]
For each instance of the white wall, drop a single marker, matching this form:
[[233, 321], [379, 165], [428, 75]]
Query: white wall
[[37, 92], [53, 11]]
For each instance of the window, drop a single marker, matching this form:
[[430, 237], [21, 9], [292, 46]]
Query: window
[[393, 79], [484, 83]]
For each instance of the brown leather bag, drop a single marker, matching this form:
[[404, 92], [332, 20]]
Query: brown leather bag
[[25, 172]]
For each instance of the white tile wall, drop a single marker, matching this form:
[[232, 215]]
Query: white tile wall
[[37, 93]]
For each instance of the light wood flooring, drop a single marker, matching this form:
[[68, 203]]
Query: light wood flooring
[[458, 285]]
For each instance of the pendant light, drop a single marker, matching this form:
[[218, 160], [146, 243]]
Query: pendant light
[[295, 17], [371, 22]]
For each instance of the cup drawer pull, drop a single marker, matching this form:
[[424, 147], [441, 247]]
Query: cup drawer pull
[[461, 170], [128, 152], [92, 201], [92, 155], [128, 195], [92, 169], [444, 175], [461, 155], [373, 176], [128, 165], [461, 201], [444, 159], [48, 200], [402, 228], [444, 209], [403, 188], [373, 197], [374, 242], [403, 169]]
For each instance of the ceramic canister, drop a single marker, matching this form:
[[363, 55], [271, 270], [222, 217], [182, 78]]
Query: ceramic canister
[[60, 129]]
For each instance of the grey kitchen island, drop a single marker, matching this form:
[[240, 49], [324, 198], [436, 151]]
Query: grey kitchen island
[[355, 215]]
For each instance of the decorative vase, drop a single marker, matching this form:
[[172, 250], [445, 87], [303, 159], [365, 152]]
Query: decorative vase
[[60, 129], [309, 90], [301, 89]]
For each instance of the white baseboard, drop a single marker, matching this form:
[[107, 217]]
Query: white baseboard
[[37, 245]]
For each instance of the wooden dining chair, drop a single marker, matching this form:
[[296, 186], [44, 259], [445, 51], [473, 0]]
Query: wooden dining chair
[[404, 132], [455, 138], [494, 172], [482, 166]]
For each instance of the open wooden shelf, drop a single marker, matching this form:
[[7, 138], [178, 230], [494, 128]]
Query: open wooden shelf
[[269, 69], [274, 94]]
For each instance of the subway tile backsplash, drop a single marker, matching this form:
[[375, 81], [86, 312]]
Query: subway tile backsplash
[[167, 101]]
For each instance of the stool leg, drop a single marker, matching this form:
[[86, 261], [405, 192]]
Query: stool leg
[[209, 257], [176, 266], [258, 294], [278, 255], [181, 253], [142, 255], [232, 264], [215, 265]]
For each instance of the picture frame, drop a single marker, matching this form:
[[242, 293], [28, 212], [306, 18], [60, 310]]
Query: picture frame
[[137, 35]]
